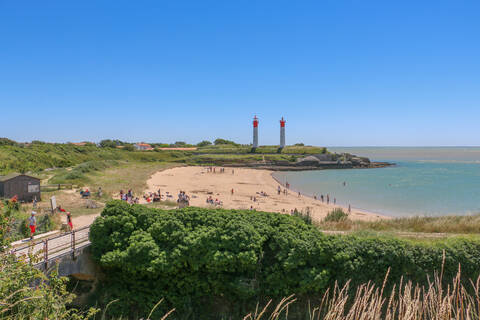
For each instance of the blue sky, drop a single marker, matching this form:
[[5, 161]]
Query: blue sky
[[343, 73]]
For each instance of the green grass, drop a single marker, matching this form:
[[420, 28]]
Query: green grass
[[79, 160]]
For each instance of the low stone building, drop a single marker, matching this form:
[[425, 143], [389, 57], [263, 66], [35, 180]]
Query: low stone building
[[26, 188]]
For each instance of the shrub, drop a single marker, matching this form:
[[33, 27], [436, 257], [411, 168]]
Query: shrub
[[336, 215], [225, 261], [196, 258], [204, 143], [220, 141], [7, 142], [305, 216]]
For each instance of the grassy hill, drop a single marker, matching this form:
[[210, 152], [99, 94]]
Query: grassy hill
[[39, 156]]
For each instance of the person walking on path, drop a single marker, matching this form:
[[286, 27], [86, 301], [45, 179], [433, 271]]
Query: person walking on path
[[33, 224], [69, 221]]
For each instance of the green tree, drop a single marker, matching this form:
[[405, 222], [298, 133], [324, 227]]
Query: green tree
[[129, 147], [204, 143], [7, 142], [220, 141]]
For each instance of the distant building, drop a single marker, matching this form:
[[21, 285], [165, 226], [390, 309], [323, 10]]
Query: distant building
[[26, 188], [79, 144], [142, 146]]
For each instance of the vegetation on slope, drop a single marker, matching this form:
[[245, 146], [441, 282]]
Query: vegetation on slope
[[447, 224], [222, 262], [39, 156], [25, 292]]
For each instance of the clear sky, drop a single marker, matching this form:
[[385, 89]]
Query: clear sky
[[342, 73]]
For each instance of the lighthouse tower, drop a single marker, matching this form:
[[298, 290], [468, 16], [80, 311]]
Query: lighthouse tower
[[282, 133], [255, 132]]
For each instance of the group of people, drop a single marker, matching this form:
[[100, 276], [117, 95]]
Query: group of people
[[220, 170], [323, 198], [32, 221], [215, 202], [279, 191], [183, 197], [153, 196], [128, 196]]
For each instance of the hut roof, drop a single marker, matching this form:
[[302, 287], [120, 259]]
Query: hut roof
[[14, 175]]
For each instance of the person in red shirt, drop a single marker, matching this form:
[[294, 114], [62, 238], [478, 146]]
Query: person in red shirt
[[69, 221]]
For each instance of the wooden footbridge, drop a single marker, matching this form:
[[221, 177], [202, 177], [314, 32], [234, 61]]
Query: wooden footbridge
[[51, 249]]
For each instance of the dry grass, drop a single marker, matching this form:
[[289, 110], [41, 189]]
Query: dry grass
[[447, 224], [406, 302]]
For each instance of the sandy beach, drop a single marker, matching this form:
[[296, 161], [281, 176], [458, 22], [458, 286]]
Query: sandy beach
[[200, 184]]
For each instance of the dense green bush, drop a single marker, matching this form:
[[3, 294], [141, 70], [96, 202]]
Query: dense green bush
[[224, 261], [204, 143], [200, 260]]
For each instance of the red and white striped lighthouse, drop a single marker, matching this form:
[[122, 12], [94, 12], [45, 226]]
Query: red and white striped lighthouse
[[255, 132], [282, 133]]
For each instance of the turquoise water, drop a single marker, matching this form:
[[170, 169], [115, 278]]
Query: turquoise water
[[425, 181]]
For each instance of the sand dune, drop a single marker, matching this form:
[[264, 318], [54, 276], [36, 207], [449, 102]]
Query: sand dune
[[246, 183]]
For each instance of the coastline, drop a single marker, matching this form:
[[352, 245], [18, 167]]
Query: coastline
[[247, 183], [364, 211]]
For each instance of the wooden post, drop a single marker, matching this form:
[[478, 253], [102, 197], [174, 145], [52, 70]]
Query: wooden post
[[45, 253], [73, 244]]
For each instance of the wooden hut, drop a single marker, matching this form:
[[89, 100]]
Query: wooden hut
[[26, 188]]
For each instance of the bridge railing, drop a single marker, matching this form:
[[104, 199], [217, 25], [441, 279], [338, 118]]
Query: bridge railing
[[54, 247]]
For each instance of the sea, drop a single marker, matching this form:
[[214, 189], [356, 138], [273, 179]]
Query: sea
[[425, 181]]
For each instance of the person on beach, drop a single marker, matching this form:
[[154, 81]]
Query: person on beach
[[349, 209], [315, 197], [321, 197], [279, 190], [328, 198], [299, 194], [334, 201], [232, 191], [69, 221], [32, 224]]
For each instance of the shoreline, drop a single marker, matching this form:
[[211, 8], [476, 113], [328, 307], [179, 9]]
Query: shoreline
[[365, 211], [247, 184]]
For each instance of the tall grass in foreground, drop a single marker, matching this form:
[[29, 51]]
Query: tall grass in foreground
[[406, 301]]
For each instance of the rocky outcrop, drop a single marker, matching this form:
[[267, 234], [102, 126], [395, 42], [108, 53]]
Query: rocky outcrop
[[315, 162], [326, 161]]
